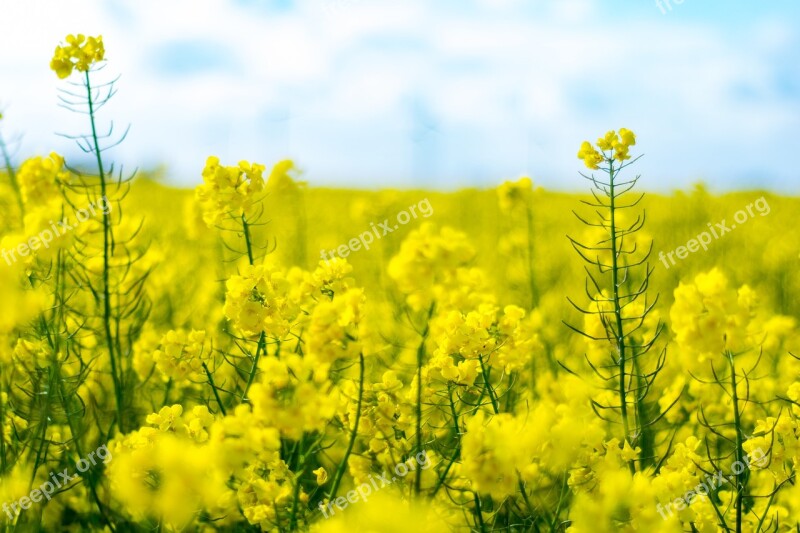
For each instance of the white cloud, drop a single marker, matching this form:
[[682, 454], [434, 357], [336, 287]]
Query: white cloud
[[511, 87]]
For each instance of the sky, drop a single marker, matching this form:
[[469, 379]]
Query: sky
[[424, 93]]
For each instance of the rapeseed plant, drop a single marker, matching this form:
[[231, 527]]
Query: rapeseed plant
[[237, 387]]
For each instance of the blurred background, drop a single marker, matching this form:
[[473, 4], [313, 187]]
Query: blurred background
[[438, 94]]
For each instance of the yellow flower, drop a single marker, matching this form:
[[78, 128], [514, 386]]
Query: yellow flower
[[628, 453], [708, 317], [229, 191], [619, 143], [258, 300], [41, 179], [166, 419], [628, 138], [283, 177], [288, 398], [609, 141], [430, 261], [591, 157], [79, 53], [514, 195], [322, 475], [388, 512], [181, 355]]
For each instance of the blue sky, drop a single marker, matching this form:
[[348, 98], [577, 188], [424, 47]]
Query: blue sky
[[433, 93]]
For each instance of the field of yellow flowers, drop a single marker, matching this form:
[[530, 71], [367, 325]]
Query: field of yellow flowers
[[260, 355]]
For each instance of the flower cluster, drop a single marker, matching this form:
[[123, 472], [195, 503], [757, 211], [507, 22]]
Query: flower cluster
[[433, 264], [709, 318], [239, 387], [258, 300], [515, 195], [612, 146], [228, 190], [292, 397], [80, 53], [41, 179], [180, 355]]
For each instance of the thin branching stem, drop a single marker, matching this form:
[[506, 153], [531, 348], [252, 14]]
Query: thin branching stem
[[739, 451], [107, 239], [620, 333], [418, 421], [337, 478]]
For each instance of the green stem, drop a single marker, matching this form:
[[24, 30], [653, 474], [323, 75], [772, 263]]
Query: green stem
[[167, 390], [420, 360], [737, 422], [478, 512], [261, 347], [337, 478], [496, 408], [45, 418], [303, 465], [262, 338], [248, 241], [214, 388], [489, 389], [563, 493], [92, 482], [456, 445], [107, 314], [620, 334]]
